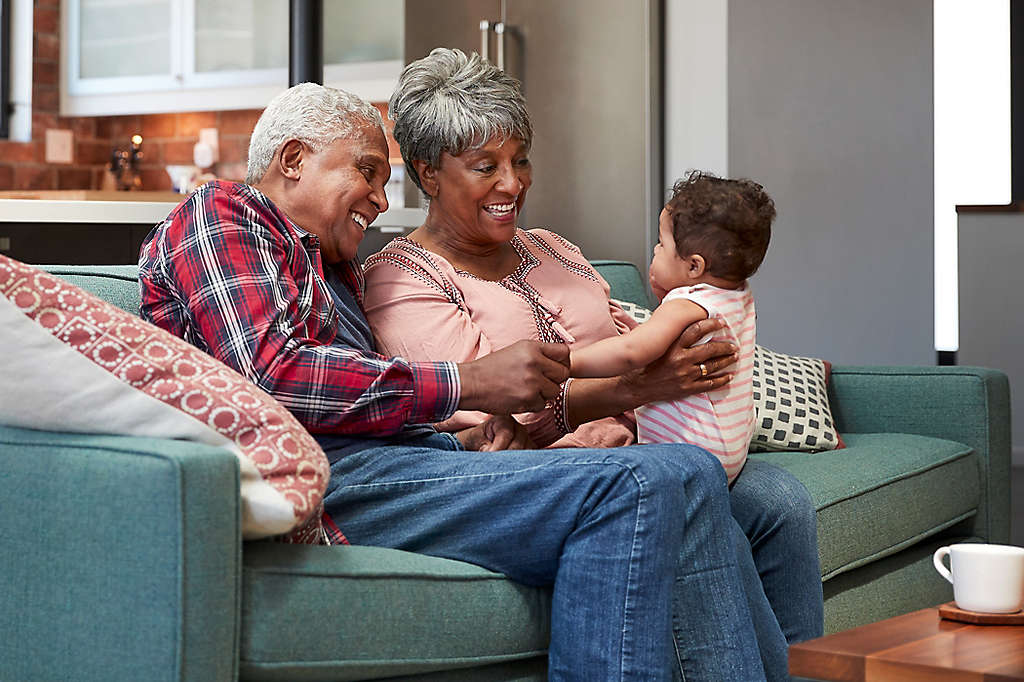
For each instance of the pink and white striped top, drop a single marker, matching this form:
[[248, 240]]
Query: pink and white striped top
[[720, 421]]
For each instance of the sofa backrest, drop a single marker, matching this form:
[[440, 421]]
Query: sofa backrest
[[119, 284], [115, 284], [626, 282]]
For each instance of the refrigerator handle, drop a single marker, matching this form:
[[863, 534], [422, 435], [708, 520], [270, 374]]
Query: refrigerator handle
[[499, 30], [485, 38]]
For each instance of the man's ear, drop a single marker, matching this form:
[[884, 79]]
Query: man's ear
[[695, 266], [428, 176], [290, 158]]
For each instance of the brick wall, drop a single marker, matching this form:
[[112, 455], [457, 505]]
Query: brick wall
[[166, 138]]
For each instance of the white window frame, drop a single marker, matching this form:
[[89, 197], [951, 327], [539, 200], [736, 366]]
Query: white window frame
[[182, 89]]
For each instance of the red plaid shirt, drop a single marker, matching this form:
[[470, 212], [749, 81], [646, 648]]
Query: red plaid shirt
[[230, 273]]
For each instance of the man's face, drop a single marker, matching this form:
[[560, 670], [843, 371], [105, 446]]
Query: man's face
[[342, 191]]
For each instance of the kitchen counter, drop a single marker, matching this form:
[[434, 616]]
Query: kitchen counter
[[102, 231], [153, 208], [90, 195], [86, 212]]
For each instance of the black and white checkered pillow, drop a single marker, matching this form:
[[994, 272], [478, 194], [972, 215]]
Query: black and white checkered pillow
[[638, 313], [791, 404], [790, 399]]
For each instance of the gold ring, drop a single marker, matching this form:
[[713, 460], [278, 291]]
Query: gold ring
[[703, 370]]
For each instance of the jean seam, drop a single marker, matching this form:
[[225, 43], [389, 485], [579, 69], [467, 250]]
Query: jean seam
[[492, 474], [630, 598]]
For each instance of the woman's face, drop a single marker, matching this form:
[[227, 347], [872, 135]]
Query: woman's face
[[479, 193]]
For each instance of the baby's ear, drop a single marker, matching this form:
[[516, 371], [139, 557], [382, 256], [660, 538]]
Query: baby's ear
[[695, 266]]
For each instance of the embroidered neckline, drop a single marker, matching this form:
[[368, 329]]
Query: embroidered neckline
[[548, 328], [527, 261]]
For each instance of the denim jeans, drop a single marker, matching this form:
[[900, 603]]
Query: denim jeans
[[778, 556], [636, 542]]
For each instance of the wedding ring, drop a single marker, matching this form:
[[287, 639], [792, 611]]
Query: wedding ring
[[703, 370]]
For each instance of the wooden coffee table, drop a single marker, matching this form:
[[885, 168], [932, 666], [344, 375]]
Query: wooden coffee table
[[916, 647]]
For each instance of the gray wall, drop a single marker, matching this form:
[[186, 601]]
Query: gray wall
[[991, 324], [830, 108]]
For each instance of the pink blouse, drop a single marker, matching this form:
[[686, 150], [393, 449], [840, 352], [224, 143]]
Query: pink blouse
[[422, 308]]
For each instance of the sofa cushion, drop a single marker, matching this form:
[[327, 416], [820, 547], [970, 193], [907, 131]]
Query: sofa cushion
[[353, 613], [882, 493]]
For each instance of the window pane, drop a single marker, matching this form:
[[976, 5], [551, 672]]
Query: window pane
[[253, 34], [363, 30], [241, 35], [124, 38]]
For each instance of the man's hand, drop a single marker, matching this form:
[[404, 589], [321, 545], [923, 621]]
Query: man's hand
[[677, 373], [499, 432], [520, 378]]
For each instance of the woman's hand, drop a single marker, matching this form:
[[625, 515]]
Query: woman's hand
[[678, 372], [499, 432]]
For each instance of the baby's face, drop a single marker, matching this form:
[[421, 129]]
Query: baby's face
[[668, 270]]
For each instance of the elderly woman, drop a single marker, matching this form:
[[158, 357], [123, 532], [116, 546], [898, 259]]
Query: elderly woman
[[469, 281]]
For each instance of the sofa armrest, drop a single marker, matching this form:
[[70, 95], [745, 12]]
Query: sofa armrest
[[121, 558], [966, 404]]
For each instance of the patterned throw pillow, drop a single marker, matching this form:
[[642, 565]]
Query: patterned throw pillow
[[790, 399], [638, 313], [83, 365], [791, 404]]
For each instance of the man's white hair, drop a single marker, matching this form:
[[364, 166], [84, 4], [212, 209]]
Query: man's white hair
[[313, 114]]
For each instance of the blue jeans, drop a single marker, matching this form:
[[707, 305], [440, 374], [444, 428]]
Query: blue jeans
[[602, 527], [778, 557]]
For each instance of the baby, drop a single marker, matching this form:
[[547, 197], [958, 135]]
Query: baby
[[713, 234]]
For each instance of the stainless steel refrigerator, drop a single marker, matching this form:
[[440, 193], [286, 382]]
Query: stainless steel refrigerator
[[591, 71]]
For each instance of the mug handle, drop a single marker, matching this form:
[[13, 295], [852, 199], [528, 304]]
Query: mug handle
[[937, 558]]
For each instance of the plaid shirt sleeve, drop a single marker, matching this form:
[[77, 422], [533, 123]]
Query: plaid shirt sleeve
[[227, 272]]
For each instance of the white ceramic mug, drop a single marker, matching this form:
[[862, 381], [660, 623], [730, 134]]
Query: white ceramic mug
[[986, 578]]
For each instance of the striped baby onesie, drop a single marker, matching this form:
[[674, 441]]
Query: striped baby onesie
[[720, 421]]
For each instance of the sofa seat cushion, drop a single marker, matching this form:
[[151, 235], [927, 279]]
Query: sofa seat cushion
[[354, 613], [882, 493]]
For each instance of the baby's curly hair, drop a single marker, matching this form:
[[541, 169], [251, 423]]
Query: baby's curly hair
[[728, 222]]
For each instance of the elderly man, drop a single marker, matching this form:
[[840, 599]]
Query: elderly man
[[262, 276]]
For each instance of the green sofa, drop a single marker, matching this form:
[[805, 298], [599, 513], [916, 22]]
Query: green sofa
[[154, 583]]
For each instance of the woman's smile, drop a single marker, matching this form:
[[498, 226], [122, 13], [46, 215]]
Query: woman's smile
[[502, 212]]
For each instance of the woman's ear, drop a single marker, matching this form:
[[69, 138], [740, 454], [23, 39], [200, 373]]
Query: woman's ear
[[289, 159], [695, 266], [428, 176]]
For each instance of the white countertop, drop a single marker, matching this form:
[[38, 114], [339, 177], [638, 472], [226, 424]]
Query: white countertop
[[43, 211], [144, 212]]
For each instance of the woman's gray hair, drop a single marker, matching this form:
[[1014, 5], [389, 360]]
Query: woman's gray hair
[[451, 102], [313, 114]]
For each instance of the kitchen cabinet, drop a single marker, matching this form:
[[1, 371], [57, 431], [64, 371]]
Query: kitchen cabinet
[[67, 229], [155, 56], [69, 244]]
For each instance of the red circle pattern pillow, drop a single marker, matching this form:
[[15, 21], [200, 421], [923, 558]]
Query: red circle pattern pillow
[[87, 366]]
